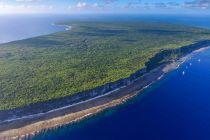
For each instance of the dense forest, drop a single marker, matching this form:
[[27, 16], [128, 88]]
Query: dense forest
[[89, 55]]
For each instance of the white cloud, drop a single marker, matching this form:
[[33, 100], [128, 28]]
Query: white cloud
[[95, 5], [25, 8], [27, 0], [199, 4], [81, 4], [84, 6]]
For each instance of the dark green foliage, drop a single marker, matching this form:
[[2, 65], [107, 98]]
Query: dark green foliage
[[89, 55]]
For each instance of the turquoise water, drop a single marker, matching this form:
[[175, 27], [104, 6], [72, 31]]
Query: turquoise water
[[175, 108]]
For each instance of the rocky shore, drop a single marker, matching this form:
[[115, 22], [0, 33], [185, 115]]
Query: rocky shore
[[16, 124]]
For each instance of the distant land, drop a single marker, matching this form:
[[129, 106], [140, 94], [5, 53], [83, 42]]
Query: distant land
[[48, 72]]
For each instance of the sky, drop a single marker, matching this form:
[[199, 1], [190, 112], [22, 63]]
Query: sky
[[104, 6]]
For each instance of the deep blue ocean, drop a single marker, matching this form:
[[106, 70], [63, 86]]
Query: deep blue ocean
[[175, 108]]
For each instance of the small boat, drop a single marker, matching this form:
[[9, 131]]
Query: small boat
[[183, 73]]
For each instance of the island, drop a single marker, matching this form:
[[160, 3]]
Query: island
[[56, 79]]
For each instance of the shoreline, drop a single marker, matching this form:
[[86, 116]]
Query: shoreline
[[110, 100], [66, 27], [100, 103], [33, 129]]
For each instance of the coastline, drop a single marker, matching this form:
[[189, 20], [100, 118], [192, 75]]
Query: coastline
[[98, 104], [67, 27], [31, 130]]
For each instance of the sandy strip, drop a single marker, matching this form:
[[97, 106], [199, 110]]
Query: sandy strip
[[58, 109], [35, 128]]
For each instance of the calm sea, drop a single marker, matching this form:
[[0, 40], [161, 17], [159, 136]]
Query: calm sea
[[17, 27], [175, 108]]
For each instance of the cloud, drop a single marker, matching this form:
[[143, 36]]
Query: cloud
[[84, 6], [27, 0], [81, 4], [168, 5], [194, 4], [95, 5], [109, 1], [160, 5], [156, 5], [25, 8], [103, 6], [134, 4], [201, 4]]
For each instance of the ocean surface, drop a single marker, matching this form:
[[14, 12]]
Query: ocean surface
[[17, 27], [175, 108]]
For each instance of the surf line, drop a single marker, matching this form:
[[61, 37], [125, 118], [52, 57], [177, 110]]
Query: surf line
[[61, 108]]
